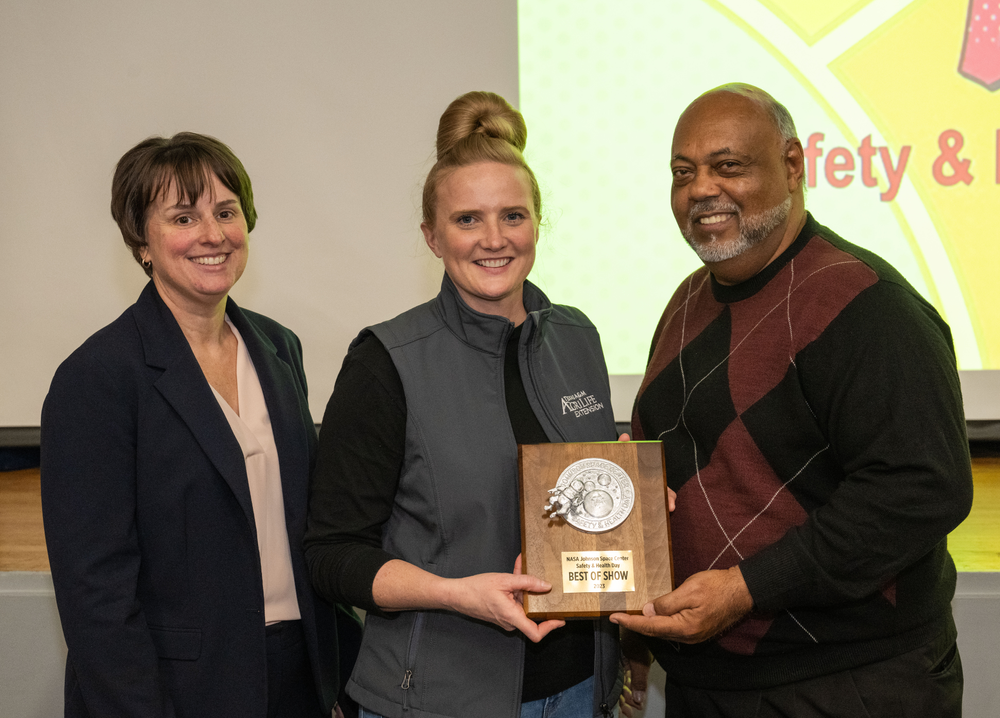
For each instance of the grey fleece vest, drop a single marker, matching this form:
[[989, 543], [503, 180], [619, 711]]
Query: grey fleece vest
[[456, 508]]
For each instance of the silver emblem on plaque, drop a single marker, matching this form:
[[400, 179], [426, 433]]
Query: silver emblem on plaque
[[593, 495]]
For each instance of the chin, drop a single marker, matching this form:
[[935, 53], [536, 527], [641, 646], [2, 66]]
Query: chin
[[715, 251]]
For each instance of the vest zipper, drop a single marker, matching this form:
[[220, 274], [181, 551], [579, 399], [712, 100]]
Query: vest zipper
[[411, 653]]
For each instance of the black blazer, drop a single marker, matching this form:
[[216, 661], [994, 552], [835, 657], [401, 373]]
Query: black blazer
[[150, 528]]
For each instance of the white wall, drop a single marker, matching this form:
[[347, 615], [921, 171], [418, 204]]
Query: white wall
[[331, 105]]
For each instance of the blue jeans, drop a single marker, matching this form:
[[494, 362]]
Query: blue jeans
[[575, 702]]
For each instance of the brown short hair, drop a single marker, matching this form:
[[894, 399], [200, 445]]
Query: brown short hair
[[155, 164], [478, 127]]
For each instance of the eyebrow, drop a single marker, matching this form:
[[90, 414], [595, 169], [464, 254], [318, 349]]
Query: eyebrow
[[184, 206], [715, 154], [511, 208]]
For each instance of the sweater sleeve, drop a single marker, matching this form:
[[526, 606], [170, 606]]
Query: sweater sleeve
[[353, 487], [882, 384]]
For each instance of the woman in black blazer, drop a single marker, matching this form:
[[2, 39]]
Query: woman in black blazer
[[176, 450]]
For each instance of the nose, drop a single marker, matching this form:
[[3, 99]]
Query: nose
[[213, 232], [703, 186], [494, 238]]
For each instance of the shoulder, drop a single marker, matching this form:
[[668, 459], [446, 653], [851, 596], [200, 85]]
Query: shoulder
[[107, 370], [841, 266], [833, 270], [112, 347], [368, 354], [413, 324], [368, 350], [567, 337], [567, 316], [368, 360], [862, 307], [275, 331], [895, 317], [285, 342], [567, 329]]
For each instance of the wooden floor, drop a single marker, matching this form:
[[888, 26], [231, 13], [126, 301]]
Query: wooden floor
[[22, 541], [975, 545]]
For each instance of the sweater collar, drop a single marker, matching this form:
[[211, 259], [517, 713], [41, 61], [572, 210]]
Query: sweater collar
[[726, 294], [489, 332]]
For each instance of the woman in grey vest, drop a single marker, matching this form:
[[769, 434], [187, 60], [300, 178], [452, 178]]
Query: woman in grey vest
[[414, 501]]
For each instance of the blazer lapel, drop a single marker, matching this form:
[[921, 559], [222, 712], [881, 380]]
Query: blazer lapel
[[284, 406], [184, 387]]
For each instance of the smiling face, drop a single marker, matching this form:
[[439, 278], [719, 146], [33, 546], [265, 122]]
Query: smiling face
[[736, 192], [485, 230], [199, 250]]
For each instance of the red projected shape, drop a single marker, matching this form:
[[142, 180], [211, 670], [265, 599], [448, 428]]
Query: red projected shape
[[981, 50]]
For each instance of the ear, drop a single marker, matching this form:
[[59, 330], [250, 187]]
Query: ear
[[794, 164], [430, 238]]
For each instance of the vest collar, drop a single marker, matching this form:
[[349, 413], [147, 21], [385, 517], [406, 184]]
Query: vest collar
[[489, 332]]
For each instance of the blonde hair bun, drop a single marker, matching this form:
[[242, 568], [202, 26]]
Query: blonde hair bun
[[478, 127], [480, 113]]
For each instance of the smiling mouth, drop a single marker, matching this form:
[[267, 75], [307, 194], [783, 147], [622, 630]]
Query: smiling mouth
[[493, 263], [714, 219], [210, 260]]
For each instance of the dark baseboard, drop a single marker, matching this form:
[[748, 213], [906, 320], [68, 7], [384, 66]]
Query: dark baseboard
[[19, 436]]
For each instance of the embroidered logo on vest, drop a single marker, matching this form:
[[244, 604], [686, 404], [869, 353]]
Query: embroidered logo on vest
[[581, 404]]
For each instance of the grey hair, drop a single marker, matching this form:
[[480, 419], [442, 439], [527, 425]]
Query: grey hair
[[778, 113]]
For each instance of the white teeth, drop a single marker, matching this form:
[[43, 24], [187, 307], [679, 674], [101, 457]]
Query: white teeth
[[210, 260], [493, 263], [713, 219]]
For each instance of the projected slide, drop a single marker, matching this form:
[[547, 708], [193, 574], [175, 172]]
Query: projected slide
[[895, 102]]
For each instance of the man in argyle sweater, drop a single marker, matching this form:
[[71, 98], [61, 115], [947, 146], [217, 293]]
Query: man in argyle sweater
[[812, 420]]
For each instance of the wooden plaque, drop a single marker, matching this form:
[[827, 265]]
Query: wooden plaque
[[594, 572]]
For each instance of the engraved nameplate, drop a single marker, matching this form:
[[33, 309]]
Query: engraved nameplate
[[598, 571]]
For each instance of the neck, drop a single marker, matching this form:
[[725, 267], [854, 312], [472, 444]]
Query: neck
[[517, 314], [203, 324]]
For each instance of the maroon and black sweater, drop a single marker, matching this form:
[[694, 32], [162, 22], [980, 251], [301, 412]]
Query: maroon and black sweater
[[814, 433]]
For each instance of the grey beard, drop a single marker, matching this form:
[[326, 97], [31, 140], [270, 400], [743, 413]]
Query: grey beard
[[754, 229]]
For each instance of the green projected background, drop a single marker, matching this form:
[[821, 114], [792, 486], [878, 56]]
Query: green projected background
[[602, 85]]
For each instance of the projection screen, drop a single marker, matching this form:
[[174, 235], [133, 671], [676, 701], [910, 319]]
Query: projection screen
[[895, 103]]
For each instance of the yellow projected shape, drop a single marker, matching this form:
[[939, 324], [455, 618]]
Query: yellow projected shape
[[906, 78], [975, 545], [813, 20]]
